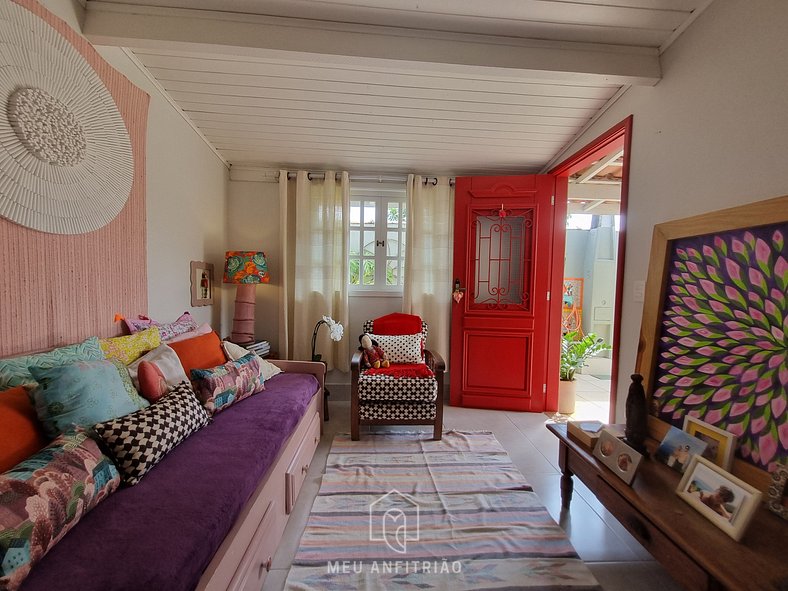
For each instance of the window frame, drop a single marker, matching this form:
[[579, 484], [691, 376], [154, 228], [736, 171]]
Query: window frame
[[382, 194]]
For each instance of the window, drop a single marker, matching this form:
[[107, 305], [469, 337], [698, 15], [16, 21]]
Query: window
[[377, 240]]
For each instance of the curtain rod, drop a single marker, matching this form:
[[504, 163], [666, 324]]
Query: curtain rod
[[369, 178]]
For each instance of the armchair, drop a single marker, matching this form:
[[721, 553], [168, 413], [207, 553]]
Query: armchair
[[409, 392]]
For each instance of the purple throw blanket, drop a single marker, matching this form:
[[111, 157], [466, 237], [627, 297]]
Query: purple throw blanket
[[162, 533]]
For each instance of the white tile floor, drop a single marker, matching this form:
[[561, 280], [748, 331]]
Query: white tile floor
[[615, 557]]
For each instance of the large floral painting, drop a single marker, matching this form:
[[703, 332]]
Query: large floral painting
[[723, 350]]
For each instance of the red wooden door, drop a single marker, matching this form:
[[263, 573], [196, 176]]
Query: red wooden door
[[503, 259]]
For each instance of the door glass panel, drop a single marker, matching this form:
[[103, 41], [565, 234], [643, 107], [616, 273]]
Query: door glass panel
[[502, 264], [392, 244], [369, 213], [369, 273], [355, 239], [369, 243], [392, 273], [392, 214], [355, 266]]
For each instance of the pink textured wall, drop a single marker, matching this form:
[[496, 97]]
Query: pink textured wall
[[58, 289]]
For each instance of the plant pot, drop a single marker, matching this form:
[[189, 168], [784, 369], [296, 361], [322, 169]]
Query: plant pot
[[566, 397]]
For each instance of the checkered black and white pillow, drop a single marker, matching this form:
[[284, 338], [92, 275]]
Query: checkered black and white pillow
[[138, 441], [401, 348]]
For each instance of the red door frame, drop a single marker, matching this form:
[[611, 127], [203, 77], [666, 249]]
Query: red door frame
[[617, 137]]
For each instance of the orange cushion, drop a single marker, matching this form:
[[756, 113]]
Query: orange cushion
[[22, 433], [203, 352]]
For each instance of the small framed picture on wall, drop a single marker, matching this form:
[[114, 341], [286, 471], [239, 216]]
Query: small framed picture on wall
[[202, 283]]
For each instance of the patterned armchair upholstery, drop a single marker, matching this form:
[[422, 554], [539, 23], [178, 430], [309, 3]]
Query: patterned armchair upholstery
[[390, 398]]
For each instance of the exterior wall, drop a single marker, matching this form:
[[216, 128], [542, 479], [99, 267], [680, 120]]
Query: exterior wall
[[710, 135]]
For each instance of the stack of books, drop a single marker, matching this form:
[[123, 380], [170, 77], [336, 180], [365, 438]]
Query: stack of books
[[587, 432], [262, 348]]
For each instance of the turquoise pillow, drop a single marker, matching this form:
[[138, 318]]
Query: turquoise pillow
[[82, 394], [14, 370]]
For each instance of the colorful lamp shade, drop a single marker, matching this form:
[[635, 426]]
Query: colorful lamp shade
[[245, 268]]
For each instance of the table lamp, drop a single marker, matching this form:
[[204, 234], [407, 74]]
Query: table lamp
[[245, 268]]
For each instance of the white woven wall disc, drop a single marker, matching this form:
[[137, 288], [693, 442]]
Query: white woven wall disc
[[66, 165]]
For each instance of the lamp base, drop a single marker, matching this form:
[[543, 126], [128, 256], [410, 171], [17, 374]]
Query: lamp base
[[243, 321]]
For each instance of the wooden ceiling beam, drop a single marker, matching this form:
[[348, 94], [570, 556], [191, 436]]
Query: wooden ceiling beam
[[354, 45]]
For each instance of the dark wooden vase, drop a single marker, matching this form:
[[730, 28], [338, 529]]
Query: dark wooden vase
[[637, 411]]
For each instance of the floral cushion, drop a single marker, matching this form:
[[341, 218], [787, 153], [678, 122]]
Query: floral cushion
[[14, 371], [45, 496], [227, 384], [184, 323], [83, 393], [235, 352], [404, 348], [130, 348], [140, 440]]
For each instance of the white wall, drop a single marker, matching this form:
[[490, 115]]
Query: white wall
[[185, 195], [712, 134], [253, 218]]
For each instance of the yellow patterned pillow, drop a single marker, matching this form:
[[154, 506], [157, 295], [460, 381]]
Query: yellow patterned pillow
[[129, 349]]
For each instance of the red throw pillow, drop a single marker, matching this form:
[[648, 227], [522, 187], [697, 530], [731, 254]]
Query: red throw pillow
[[152, 383], [203, 352], [22, 433]]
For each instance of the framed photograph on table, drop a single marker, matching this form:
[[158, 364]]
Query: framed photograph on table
[[201, 283], [617, 455], [726, 501], [720, 444]]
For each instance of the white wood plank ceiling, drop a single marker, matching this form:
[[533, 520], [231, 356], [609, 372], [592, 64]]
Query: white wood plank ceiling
[[426, 86]]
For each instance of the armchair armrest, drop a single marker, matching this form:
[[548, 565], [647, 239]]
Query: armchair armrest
[[434, 361]]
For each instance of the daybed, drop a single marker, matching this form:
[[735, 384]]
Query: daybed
[[210, 515]]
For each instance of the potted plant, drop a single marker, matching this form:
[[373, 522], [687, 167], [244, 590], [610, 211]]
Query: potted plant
[[575, 351]]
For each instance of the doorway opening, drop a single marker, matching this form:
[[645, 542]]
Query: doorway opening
[[597, 194]]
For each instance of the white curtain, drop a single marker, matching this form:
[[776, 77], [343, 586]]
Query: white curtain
[[314, 228], [428, 257]]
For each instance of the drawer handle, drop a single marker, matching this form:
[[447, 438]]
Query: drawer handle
[[639, 529], [317, 439], [267, 564], [304, 468]]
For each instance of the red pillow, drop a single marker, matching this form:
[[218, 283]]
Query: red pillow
[[22, 433], [152, 383], [203, 352]]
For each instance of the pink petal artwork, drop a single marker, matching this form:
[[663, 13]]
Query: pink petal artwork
[[714, 381], [721, 394], [739, 408], [767, 445]]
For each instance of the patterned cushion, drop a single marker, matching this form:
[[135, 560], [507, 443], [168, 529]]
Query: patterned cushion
[[166, 359], [397, 412], [204, 328], [140, 440], [130, 348], [45, 496], [183, 324], [227, 384], [402, 348], [373, 387], [14, 371], [83, 393], [235, 352]]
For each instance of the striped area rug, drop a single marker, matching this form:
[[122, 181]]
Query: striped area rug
[[399, 511]]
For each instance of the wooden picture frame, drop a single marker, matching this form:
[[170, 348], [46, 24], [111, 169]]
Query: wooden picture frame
[[720, 444], [778, 492], [741, 227], [701, 487], [617, 455], [201, 274]]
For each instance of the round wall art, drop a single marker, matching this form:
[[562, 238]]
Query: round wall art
[[66, 165]]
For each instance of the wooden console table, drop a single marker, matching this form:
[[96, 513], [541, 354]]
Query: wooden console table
[[695, 552]]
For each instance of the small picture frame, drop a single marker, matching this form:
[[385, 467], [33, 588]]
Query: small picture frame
[[720, 444], [726, 501], [617, 455], [778, 491], [678, 448], [201, 283]]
